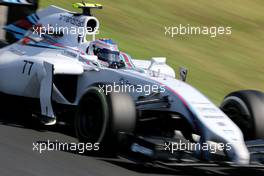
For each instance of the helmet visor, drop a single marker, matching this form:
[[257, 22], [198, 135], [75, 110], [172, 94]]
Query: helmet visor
[[108, 55]]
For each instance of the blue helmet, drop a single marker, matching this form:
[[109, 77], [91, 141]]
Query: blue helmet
[[107, 51]]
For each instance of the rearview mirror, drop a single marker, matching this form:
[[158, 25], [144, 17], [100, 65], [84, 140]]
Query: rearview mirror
[[183, 73]]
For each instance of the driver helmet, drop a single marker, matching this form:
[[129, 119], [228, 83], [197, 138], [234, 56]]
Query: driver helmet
[[107, 51]]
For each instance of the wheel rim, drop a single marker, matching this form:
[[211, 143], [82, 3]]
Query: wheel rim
[[92, 119]]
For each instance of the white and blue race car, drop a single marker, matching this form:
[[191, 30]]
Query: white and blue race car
[[118, 100]]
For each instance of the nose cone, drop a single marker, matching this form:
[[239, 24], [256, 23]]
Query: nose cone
[[239, 154]]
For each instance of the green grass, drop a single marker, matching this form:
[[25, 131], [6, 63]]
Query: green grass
[[217, 65]]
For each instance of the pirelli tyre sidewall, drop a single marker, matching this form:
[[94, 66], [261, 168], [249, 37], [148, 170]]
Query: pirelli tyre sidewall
[[92, 117], [101, 117], [246, 109]]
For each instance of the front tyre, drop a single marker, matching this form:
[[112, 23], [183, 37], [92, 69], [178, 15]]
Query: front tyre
[[246, 109], [101, 117]]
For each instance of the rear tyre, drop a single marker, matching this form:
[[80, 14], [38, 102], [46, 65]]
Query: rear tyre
[[246, 109], [100, 118]]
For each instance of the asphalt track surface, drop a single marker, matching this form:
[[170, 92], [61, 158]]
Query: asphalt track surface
[[17, 157]]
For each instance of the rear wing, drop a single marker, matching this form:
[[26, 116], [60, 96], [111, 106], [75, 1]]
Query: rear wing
[[20, 27], [18, 2], [16, 10], [17, 29]]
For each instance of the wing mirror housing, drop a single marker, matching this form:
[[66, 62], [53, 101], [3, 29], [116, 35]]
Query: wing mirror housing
[[95, 63], [183, 72]]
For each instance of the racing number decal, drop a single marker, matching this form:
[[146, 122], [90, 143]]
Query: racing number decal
[[27, 67]]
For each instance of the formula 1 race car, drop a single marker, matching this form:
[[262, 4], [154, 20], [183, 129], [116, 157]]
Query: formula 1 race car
[[137, 105]]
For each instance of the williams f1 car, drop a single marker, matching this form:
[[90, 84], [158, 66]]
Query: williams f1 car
[[137, 106]]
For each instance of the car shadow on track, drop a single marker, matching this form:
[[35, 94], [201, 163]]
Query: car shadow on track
[[186, 170], [15, 119]]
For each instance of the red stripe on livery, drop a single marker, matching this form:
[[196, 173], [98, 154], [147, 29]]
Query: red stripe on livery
[[127, 60], [24, 24]]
